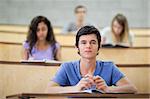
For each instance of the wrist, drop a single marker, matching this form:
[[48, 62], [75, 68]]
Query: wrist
[[77, 88], [110, 89]]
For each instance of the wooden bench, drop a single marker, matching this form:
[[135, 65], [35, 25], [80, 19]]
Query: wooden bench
[[27, 78]]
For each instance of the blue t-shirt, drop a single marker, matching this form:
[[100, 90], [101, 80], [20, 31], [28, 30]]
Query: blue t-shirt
[[69, 73]]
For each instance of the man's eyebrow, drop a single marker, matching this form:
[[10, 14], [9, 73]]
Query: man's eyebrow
[[83, 40], [93, 40], [86, 40]]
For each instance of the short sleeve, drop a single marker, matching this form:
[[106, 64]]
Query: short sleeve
[[116, 74], [57, 45], [61, 76], [26, 45]]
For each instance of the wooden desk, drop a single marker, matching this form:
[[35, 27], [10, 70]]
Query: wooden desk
[[118, 55], [19, 77], [76, 95], [57, 30], [27, 78], [31, 63], [58, 64], [140, 40]]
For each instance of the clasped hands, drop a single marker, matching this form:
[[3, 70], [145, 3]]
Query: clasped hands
[[88, 81]]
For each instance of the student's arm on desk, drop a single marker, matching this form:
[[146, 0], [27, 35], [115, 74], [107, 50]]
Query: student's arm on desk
[[54, 87], [123, 86]]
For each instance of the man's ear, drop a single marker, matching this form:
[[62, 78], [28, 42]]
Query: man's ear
[[77, 49], [99, 48], [97, 52]]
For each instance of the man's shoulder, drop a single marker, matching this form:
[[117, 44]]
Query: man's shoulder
[[105, 63]]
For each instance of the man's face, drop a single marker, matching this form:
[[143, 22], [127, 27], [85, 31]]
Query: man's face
[[80, 13], [88, 46]]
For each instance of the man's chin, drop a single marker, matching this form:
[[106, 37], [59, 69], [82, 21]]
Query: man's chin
[[89, 57]]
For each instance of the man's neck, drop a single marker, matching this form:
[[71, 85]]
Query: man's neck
[[88, 65], [80, 23]]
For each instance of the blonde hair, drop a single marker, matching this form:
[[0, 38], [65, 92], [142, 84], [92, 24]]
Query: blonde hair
[[121, 19]]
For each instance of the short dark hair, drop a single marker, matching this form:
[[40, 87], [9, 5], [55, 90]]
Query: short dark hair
[[86, 30], [78, 7]]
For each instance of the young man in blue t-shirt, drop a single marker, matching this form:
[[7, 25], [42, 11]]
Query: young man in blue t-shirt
[[87, 72]]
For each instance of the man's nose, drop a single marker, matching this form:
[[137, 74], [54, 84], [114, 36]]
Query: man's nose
[[88, 45]]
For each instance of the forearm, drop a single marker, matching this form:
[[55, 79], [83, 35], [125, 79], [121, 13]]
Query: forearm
[[122, 89], [60, 89]]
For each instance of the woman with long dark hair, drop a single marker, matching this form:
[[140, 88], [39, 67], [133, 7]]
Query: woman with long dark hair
[[41, 43]]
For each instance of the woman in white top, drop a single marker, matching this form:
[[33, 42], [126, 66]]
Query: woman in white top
[[118, 33]]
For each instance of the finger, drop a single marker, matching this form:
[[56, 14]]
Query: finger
[[102, 87], [100, 84], [89, 85], [88, 76], [83, 87], [86, 86], [89, 80], [99, 81], [97, 77]]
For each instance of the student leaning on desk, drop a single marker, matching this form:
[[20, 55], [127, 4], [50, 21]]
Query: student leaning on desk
[[88, 72]]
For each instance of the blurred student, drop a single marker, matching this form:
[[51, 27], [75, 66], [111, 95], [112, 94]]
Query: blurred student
[[118, 33], [89, 73], [80, 13], [41, 43]]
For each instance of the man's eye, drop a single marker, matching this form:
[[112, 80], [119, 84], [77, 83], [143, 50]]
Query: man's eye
[[83, 42], [93, 42]]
